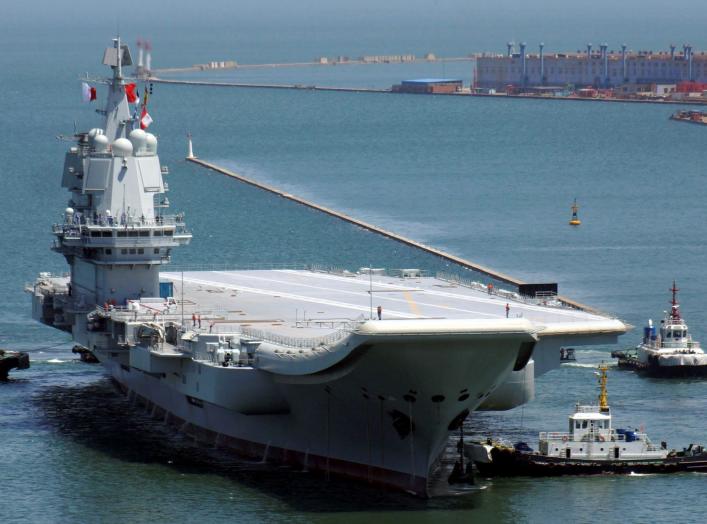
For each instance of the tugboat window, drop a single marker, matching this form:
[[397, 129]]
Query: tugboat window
[[584, 424]]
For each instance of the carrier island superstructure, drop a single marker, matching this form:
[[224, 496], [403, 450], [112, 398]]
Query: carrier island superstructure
[[282, 365]]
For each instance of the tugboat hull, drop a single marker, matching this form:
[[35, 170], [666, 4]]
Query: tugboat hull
[[12, 360], [510, 463], [656, 370]]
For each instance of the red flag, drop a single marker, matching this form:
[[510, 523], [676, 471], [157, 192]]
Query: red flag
[[130, 93], [145, 119]]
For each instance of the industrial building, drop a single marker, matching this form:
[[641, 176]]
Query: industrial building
[[600, 68], [429, 86]]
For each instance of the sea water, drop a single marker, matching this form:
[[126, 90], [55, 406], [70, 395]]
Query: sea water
[[489, 180]]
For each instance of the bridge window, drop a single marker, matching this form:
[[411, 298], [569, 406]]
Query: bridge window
[[584, 424]]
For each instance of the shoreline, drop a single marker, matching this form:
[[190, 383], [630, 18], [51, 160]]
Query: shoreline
[[344, 89]]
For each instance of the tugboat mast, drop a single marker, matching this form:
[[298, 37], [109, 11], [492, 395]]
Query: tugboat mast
[[603, 397], [675, 307]]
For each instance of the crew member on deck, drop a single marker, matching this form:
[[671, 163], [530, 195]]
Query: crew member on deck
[[380, 312]]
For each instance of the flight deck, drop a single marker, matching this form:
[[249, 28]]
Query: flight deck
[[310, 303]]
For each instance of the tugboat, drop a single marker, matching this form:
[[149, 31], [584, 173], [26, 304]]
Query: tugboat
[[669, 353], [575, 221], [567, 355], [591, 446], [12, 360]]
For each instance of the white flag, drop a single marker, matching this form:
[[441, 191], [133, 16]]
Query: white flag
[[85, 92]]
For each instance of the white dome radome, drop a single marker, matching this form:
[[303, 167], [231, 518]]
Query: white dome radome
[[69, 211], [100, 143], [138, 138], [93, 133], [122, 147], [151, 143]]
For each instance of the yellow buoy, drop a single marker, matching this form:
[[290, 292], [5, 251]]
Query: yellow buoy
[[575, 221]]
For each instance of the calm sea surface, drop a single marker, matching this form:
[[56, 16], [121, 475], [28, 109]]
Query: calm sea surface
[[489, 180]]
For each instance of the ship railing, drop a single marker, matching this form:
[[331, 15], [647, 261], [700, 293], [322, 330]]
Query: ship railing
[[117, 222], [586, 409], [167, 311], [548, 299], [324, 323], [298, 266], [299, 342], [177, 268], [589, 436], [689, 345], [127, 241], [555, 435]]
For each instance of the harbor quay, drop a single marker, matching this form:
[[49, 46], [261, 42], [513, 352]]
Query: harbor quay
[[595, 71]]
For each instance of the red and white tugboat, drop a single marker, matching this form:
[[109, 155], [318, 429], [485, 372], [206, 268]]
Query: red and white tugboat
[[669, 353]]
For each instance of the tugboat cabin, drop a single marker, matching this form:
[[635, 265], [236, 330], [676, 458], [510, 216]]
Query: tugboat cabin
[[591, 437]]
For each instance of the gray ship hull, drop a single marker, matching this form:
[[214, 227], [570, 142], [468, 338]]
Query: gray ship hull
[[352, 425]]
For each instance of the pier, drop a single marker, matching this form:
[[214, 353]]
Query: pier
[[500, 277], [303, 87], [464, 93]]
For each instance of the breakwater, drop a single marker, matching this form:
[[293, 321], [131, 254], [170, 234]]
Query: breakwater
[[501, 277]]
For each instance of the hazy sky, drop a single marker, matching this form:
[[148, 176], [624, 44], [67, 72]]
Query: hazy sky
[[477, 25]]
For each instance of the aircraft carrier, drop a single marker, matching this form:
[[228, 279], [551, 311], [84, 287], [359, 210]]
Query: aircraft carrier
[[361, 373]]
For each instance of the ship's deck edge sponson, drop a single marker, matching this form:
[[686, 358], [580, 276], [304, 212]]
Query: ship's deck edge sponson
[[606, 327], [380, 231]]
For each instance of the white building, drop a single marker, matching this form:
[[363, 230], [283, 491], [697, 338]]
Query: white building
[[602, 68]]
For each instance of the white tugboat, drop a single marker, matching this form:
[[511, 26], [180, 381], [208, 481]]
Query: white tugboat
[[590, 446], [669, 353]]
